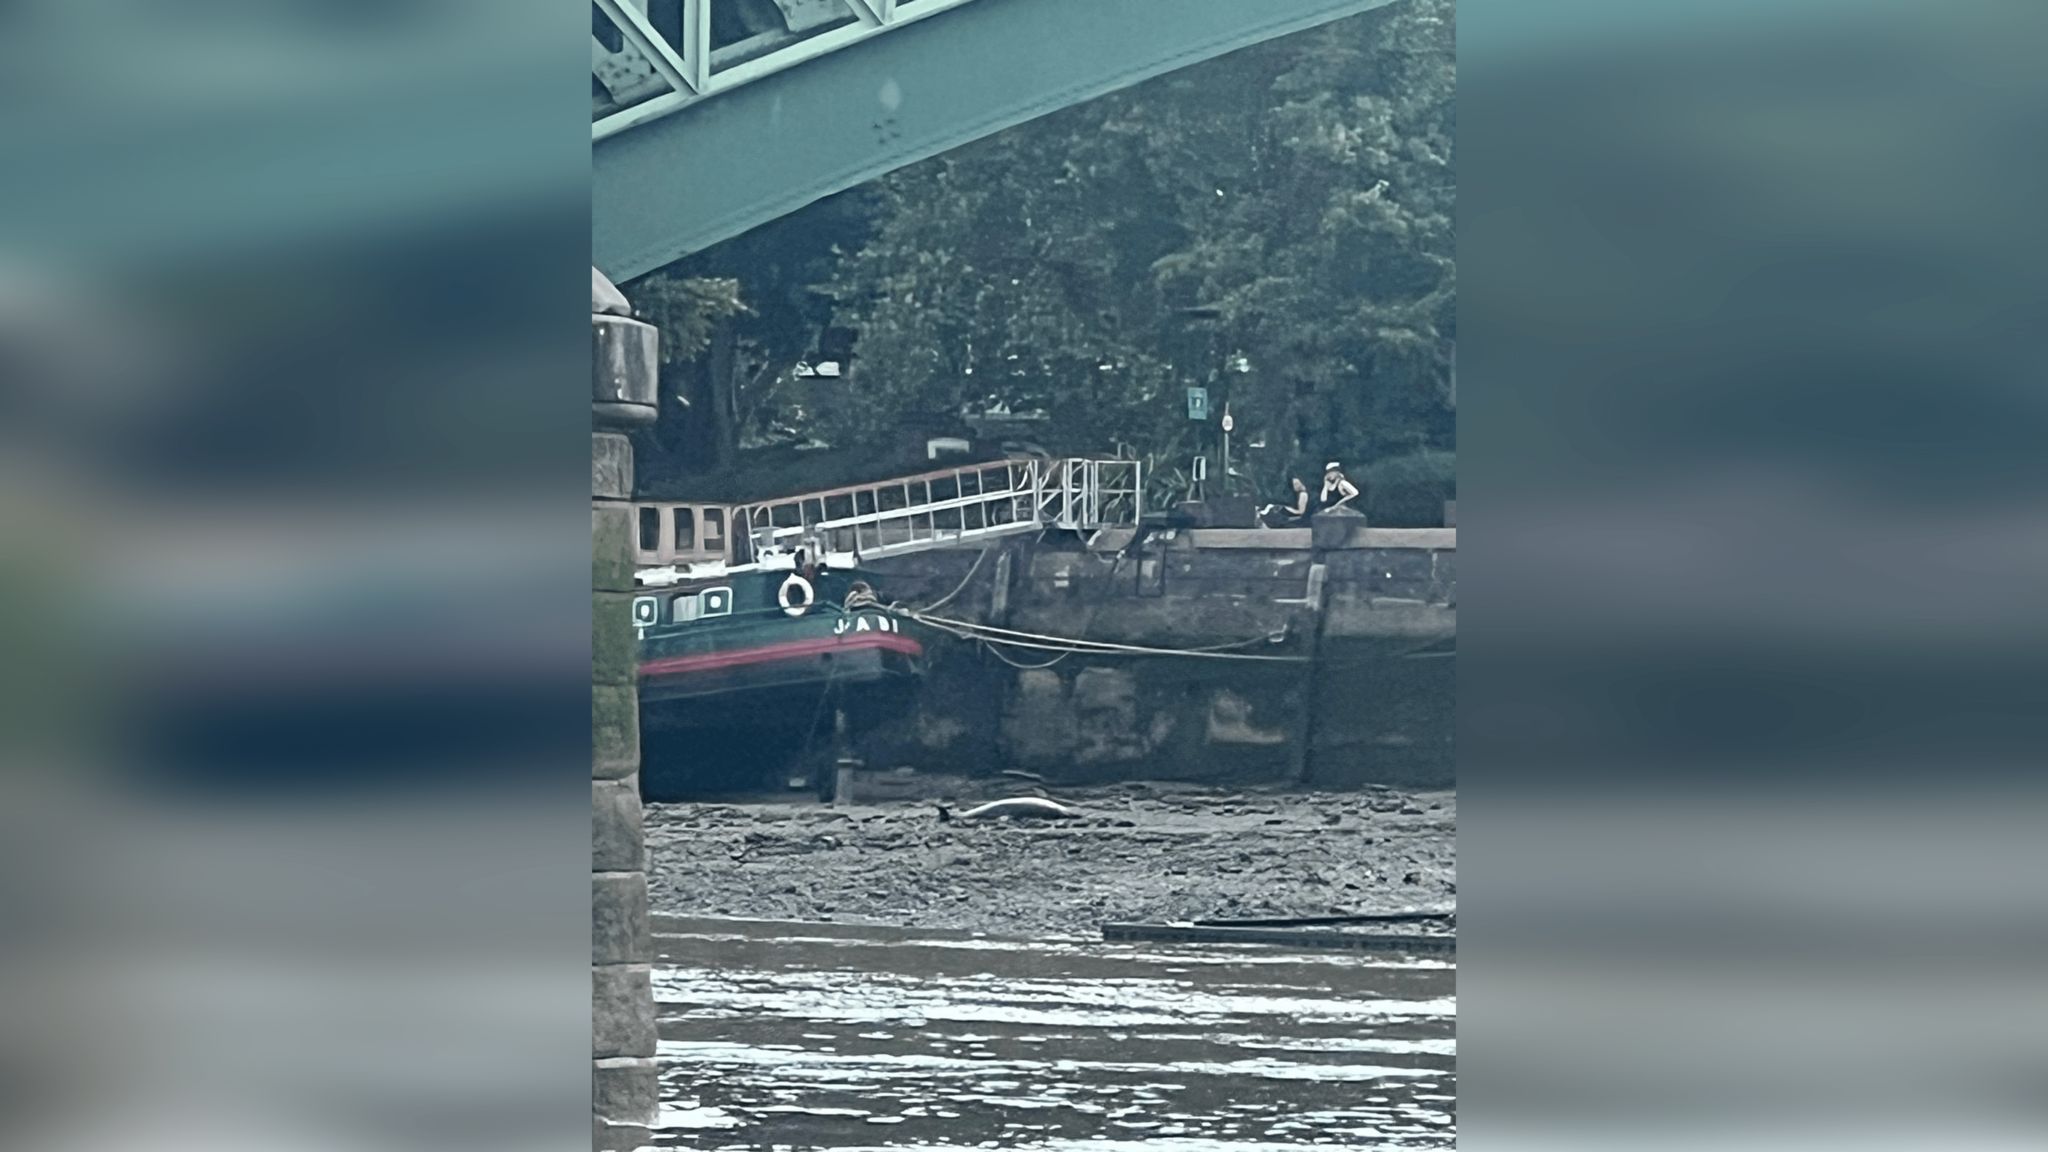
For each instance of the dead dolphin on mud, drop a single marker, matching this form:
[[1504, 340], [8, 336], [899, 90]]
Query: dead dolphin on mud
[[1015, 808]]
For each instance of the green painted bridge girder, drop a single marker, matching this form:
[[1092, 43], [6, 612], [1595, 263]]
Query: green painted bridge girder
[[715, 169]]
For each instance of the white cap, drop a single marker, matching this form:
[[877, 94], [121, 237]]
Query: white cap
[[1332, 466]]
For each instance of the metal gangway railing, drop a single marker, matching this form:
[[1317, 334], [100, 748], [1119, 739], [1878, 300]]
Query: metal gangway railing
[[944, 508]]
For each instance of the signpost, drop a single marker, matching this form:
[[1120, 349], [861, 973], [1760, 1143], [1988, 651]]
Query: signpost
[[1198, 403], [1228, 424]]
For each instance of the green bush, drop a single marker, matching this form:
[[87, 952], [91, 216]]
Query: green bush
[[1409, 491]]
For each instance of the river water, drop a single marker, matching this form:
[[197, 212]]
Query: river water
[[796, 1037]]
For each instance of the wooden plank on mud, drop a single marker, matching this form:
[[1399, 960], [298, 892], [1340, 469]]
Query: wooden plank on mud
[[1432, 915], [1321, 938]]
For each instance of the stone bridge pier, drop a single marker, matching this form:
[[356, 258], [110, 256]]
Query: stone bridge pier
[[624, 1089]]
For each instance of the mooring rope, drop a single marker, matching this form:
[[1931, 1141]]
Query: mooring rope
[[991, 636]]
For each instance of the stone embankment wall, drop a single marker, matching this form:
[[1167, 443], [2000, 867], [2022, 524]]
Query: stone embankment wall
[[1375, 608], [624, 1087]]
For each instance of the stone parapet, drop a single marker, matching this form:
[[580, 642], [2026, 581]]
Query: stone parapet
[[1358, 534]]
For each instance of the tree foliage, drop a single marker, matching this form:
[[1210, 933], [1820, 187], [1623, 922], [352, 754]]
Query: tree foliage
[[1276, 225], [687, 309]]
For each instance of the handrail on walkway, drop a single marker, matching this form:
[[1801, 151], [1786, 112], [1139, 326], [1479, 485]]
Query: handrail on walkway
[[941, 508]]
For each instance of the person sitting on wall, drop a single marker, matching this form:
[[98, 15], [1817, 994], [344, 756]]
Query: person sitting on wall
[[1296, 513], [1337, 492]]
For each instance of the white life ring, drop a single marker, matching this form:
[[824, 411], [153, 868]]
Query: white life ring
[[790, 605]]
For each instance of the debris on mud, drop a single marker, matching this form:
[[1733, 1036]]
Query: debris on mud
[[1137, 853]]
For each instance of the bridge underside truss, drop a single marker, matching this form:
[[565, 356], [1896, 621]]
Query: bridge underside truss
[[649, 58], [711, 117]]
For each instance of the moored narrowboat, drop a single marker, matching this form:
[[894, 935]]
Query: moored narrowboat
[[761, 629], [749, 675]]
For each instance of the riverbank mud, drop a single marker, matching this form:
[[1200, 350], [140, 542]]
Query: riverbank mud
[[1139, 853]]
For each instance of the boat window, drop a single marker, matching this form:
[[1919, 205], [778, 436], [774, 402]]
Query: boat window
[[714, 527], [686, 528], [650, 529]]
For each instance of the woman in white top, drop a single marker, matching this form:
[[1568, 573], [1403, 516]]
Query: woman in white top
[[1337, 491]]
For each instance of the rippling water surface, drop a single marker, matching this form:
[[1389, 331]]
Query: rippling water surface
[[772, 1038]]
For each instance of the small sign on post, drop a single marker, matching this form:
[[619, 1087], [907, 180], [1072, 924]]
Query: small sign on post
[[1198, 403], [1228, 424]]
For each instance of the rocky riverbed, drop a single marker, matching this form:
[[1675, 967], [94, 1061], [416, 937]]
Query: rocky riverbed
[[1140, 853]]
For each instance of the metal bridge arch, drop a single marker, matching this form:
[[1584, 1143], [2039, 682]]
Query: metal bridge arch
[[705, 126]]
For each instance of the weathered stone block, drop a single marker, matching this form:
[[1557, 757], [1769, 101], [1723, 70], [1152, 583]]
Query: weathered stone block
[[625, 1090], [614, 642], [1350, 565], [611, 547], [617, 839], [1405, 573], [619, 933], [1238, 564], [1105, 690], [611, 466], [1418, 539], [1355, 616], [1039, 727], [1233, 719], [614, 731], [1336, 528], [621, 1010], [609, 1137]]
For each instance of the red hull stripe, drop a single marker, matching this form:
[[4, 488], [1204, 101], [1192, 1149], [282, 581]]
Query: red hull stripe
[[788, 650]]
